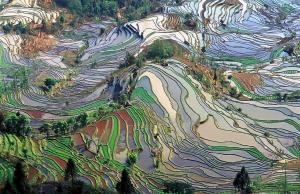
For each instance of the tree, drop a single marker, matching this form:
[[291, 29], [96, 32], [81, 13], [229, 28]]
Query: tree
[[74, 6], [102, 112], [62, 19], [93, 65], [178, 187], [70, 171], [139, 62], [132, 158], [242, 181], [215, 75], [121, 3], [125, 186], [49, 83], [278, 96], [129, 60], [72, 124], [45, 128], [59, 188], [160, 49], [77, 188], [9, 188], [16, 124], [123, 99], [289, 49], [19, 179], [2, 119], [233, 91], [285, 97], [20, 28], [82, 119], [60, 127], [7, 28]]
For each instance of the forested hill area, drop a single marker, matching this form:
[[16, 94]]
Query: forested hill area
[[132, 9]]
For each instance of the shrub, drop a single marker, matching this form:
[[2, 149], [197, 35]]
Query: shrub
[[132, 158]]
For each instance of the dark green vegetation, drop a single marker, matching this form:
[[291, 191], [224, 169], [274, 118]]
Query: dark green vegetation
[[14, 123], [125, 186], [62, 127], [242, 181], [162, 49], [19, 125], [129, 61], [178, 187], [158, 51], [18, 29], [48, 84], [19, 184], [70, 171], [134, 9]]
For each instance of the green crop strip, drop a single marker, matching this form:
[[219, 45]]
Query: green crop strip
[[252, 151], [87, 107], [246, 61], [143, 95], [295, 150]]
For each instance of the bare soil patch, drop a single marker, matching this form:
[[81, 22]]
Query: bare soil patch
[[249, 80]]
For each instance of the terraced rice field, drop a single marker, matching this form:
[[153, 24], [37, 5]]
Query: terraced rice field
[[196, 137], [222, 138], [108, 140]]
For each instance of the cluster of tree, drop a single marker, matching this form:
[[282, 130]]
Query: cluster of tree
[[123, 99], [132, 60], [19, 183], [15, 123], [48, 84], [123, 187], [62, 127], [123, 90], [129, 60], [105, 110], [160, 49], [18, 29], [288, 97], [178, 187], [31, 28], [137, 9], [90, 7], [132, 9]]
